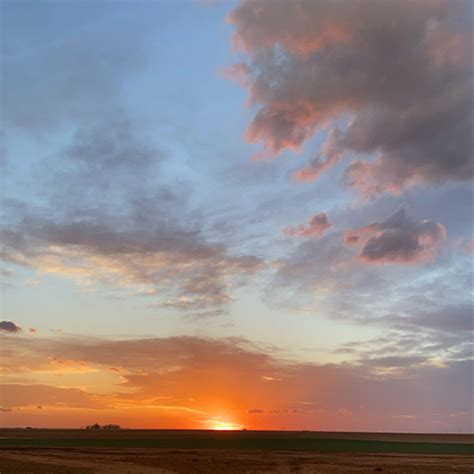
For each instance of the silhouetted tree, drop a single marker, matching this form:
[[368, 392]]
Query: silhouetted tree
[[95, 426], [110, 426]]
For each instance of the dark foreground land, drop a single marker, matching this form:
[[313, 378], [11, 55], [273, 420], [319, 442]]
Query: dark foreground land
[[162, 451]]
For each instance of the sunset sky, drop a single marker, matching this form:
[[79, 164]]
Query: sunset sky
[[253, 214]]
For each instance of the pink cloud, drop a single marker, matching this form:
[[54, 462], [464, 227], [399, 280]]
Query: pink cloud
[[311, 63], [239, 73], [315, 227]]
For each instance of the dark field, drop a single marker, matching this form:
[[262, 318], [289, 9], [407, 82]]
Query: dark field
[[147, 451]]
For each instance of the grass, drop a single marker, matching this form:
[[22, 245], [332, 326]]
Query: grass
[[242, 442]]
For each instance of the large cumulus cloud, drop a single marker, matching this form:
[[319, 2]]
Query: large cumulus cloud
[[399, 75]]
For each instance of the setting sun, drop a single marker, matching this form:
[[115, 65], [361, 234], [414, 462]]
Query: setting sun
[[224, 426]]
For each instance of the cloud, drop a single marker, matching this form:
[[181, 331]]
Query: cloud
[[333, 278], [9, 327], [141, 235], [115, 144], [453, 319], [321, 276], [161, 374], [398, 240], [395, 361], [316, 226], [434, 332], [71, 78], [457, 318], [116, 213], [400, 76], [32, 395], [153, 257]]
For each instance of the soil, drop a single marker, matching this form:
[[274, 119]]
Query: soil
[[162, 461]]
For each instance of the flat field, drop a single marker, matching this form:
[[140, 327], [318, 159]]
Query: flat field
[[164, 451]]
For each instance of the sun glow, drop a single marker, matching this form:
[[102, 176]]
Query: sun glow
[[224, 426]]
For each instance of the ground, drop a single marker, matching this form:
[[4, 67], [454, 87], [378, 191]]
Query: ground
[[37, 451]]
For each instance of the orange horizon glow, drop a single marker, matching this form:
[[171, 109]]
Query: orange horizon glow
[[245, 388], [217, 425]]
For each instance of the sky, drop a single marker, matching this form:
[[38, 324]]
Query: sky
[[227, 215]]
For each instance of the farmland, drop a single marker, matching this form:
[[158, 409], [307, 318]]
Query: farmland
[[146, 451]]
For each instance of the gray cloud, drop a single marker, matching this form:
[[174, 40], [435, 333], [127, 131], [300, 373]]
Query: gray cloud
[[398, 240], [114, 144], [401, 75], [152, 254], [427, 308], [9, 327], [454, 319], [394, 361], [321, 275], [106, 215], [442, 335]]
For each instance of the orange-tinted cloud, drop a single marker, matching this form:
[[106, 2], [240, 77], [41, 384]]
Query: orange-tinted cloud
[[239, 73], [160, 385], [32, 395]]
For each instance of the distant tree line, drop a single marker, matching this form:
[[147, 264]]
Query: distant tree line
[[110, 426]]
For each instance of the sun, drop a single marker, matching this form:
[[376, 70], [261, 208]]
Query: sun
[[224, 426]]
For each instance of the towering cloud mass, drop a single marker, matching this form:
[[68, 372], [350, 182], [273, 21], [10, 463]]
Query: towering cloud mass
[[316, 226], [398, 75], [398, 240]]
